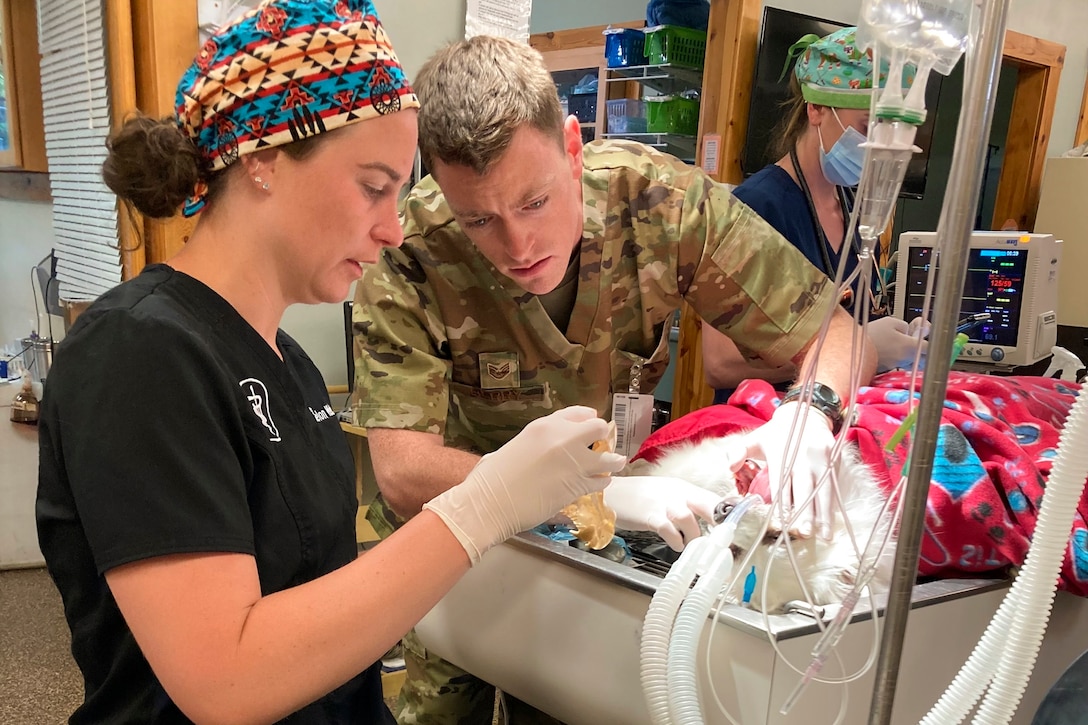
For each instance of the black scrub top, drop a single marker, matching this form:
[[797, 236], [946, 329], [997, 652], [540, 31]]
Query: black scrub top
[[169, 426]]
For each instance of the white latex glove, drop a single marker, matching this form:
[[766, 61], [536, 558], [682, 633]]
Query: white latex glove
[[919, 327], [769, 443], [896, 343], [662, 504], [541, 470]]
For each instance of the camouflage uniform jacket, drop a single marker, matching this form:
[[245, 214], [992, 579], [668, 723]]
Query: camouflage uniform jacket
[[447, 344]]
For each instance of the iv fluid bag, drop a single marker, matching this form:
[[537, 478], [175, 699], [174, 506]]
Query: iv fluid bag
[[945, 31], [893, 24], [934, 33]]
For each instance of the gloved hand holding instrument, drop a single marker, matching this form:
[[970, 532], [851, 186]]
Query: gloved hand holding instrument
[[538, 472], [896, 342], [792, 489], [670, 507]]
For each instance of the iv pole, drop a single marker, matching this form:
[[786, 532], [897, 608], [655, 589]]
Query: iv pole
[[954, 229]]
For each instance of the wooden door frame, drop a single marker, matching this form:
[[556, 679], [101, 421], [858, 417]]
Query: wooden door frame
[[1081, 134], [150, 45], [122, 73], [1039, 67], [732, 43]]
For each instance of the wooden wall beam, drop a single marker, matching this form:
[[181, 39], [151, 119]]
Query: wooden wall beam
[[1081, 134], [732, 42], [1039, 66], [731, 47], [25, 82], [25, 186], [122, 74], [166, 40], [591, 36]]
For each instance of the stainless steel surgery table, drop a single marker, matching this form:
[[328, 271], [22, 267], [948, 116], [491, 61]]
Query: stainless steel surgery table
[[560, 628]]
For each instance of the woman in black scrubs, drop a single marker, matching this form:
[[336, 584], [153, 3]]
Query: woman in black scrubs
[[196, 501]]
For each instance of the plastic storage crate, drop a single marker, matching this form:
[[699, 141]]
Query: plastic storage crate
[[672, 114], [675, 45], [626, 115], [624, 47]]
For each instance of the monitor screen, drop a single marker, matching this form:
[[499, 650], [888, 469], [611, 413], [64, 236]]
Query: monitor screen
[[994, 284], [1008, 307], [780, 30]]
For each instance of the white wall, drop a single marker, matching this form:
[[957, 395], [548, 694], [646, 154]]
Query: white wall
[[319, 328], [26, 236], [549, 15], [420, 27]]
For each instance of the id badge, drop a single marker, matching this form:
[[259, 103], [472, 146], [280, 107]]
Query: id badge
[[633, 415]]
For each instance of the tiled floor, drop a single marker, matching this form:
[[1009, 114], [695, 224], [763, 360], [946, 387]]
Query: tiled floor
[[39, 682]]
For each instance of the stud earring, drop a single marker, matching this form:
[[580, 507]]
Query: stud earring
[[258, 180]]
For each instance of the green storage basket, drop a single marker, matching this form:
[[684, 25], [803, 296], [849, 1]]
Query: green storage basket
[[672, 114], [675, 45]]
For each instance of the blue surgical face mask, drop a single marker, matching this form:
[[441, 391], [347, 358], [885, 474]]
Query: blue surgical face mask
[[842, 164]]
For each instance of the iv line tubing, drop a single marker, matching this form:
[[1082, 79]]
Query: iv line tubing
[[953, 237]]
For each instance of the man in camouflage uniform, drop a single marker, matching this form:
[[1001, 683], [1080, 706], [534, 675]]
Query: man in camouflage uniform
[[543, 274]]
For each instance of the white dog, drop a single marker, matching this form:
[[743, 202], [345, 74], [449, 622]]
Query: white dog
[[828, 569]]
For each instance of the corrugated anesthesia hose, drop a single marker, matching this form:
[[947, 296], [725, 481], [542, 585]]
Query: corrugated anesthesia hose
[[683, 675], [657, 630], [697, 559], [1008, 649], [1041, 570]]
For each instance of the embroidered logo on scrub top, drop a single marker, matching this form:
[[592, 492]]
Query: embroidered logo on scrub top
[[257, 395], [499, 370]]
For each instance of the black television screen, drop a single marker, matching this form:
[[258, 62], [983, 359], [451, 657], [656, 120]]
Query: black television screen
[[780, 30]]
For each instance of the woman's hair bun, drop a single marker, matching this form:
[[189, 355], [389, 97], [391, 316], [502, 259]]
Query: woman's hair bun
[[152, 165]]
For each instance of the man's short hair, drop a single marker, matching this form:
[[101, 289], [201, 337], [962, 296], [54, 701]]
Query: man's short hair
[[474, 96]]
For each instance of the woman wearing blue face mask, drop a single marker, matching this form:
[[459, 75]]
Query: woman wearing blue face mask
[[807, 194]]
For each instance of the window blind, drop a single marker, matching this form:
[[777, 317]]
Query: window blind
[[76, 102]]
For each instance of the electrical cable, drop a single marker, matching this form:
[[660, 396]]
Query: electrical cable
[[34, 296], [44, 292]]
